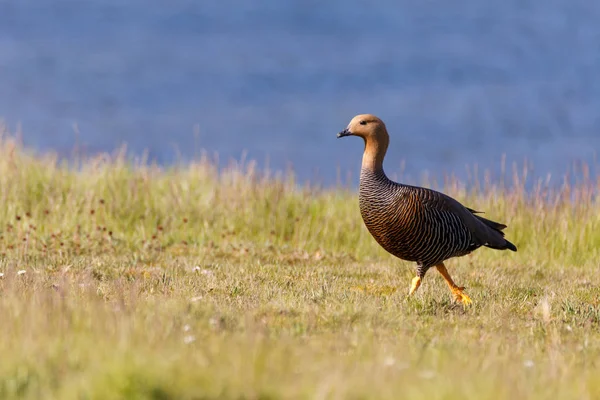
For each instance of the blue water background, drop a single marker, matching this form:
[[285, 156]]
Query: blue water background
[[458, 83]]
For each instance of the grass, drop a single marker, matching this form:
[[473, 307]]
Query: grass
[[130, 281]]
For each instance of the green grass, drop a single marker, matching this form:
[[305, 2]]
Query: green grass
[[189, 283]]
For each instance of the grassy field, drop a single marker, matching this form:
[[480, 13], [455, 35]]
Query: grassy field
[[123, 281]]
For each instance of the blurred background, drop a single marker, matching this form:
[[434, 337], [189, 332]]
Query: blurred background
[[457, 83]]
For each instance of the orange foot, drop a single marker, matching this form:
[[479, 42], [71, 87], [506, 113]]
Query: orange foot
[[460, 296], [457, 291]]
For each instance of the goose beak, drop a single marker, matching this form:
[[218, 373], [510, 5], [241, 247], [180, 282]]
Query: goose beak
[[343, 133]]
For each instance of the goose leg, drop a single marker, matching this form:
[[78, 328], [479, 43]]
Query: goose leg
[[456, 291], [416, 282]]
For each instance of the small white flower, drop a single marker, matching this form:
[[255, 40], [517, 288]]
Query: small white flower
[[21, 272], [1, 274], [389, 361], [186, 328], [202, 271], [569, 328], [196, 299], [189, 339], [528, 364]]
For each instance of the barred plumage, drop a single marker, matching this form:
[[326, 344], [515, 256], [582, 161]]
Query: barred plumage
[[415, 223]]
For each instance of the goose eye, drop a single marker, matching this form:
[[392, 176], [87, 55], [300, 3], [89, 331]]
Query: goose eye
[[363, 122]]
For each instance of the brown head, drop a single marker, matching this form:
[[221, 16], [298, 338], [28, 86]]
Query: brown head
[[375, 135]]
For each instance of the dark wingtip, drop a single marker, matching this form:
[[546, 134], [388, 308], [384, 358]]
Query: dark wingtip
[[506, 246], [474, 211], [511, 246]]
